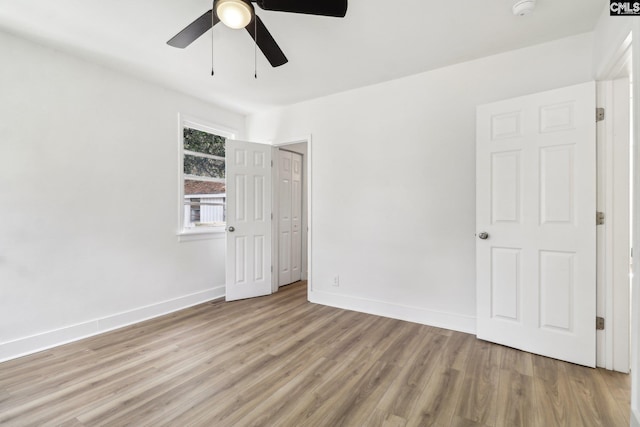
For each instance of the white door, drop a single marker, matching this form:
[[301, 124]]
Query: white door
[[296, 217], [248, 170], [536, 202], [289, 217]]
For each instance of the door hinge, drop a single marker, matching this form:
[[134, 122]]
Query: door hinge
[[599, 218], [599, 323], [599, 114], [272, 272], [271, 163], [271, 216]]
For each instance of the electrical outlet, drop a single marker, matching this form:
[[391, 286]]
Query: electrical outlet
[[336, 281]]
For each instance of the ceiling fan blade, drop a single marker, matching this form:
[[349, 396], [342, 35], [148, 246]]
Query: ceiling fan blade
[[194, 30], [337, 8], [266, 42]]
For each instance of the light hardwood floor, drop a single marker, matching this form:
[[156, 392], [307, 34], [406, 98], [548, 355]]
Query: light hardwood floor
[[281, 361]]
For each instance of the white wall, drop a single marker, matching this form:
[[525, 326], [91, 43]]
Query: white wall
[[411, 142], [89, 200], [609, 34]]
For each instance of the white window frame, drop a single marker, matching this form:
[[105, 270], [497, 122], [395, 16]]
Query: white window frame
[[196, 233]]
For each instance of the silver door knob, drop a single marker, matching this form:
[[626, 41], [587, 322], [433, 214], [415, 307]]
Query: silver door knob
[[484, 235], [231, 229]]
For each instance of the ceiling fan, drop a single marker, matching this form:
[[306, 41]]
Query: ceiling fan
[[239, 14]]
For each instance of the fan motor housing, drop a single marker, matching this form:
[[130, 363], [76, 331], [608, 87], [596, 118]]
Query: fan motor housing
[[523, 7]]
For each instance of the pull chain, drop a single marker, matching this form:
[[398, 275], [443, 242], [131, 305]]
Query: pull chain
[[255, 47], [212, 24]]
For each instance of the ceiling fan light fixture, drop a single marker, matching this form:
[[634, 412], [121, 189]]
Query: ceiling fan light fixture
[[234, 14], [523, 7]]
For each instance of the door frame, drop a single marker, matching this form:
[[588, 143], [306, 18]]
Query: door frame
[[306, 214], [635, 239], [613, 296]]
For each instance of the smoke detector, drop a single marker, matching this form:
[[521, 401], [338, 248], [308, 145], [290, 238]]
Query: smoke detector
[[523, 7]]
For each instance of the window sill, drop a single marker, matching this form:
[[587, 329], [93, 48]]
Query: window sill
[[216, 233]]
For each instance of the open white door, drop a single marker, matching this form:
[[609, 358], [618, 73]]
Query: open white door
[[248, 170], [535, 218]]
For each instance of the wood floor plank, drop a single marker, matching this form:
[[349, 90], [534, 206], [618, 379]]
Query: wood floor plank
[[72, 423], [438, 401], [554, 403], [517, 361], [348, 408], [353, 407], [457, 350], [154, 390], [282, 361], [319, 401], [459, 421], [478, 399], [268, 411], [516, 394], [595, 399], [619, 385], [258, 381], [99, 381], [4, 396], [402, 396], [393, 421], [89, 363], [348, 341], [59, 405], [176, 399]]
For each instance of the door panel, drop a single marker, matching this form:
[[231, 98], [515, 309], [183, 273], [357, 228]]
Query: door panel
[[556, 184], [505, 191], [296, 217], [284, 220], [556, 290], [289, 217], [535, 197], [505, 283], [248, 265]]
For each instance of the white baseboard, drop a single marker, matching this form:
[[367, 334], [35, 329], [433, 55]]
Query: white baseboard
[[43, 341], [439, 319], [635, 418]]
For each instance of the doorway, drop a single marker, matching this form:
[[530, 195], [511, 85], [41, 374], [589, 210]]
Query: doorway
[[289, 218], [291, 201], [615, 168], [503, 285]]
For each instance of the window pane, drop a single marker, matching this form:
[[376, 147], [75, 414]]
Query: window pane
[[204, 204], [203, 142], [202, 166], [194, 204]]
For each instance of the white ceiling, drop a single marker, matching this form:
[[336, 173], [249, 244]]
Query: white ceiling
[[377, 41]]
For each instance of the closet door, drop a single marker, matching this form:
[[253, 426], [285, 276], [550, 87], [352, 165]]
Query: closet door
[[284, 218], [296, 217], [289, 217]]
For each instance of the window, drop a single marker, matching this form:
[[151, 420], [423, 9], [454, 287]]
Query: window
[[194, 203], [203, 178]]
